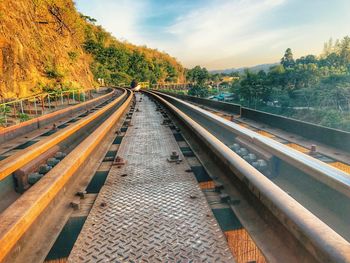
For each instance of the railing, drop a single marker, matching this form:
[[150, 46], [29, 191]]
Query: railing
[[21, 110], [333, 137], [14, 162], [144, 85], [28, 210], [172, 86], [317, 237]]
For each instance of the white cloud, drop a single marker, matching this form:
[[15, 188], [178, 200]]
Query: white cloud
[[215, 32], [219, 30], [219, 33], [120, 17]]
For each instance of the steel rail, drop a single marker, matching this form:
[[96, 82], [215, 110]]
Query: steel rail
[[54, 113], [40, 95], [19, 217], [19, 159], [331, 176], [318, 238]]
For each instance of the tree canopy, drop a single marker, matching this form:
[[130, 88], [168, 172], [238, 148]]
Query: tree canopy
[[197, 75], [119, 62], [320, 84], [311, 88]]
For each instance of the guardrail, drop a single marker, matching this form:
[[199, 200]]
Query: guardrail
[[22, 214], [19, 159], [317, 237], [228, 107], [332, 137], [334, 178], [20, 109], [13, 131]]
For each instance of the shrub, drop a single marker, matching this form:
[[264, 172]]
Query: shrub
[[23, 117], [198, 91], [5, 110], [2, 121], [52, 72], [73, 55]]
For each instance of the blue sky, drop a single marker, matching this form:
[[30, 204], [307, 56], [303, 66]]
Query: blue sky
[[221, 34]]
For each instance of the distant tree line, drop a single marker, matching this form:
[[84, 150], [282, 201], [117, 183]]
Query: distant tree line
[[311, 88]]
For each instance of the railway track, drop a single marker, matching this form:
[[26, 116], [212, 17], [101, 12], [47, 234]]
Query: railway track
[[44, 128], [30, 225], [60, 184], [321, 225], [15, 161], [11, 132]]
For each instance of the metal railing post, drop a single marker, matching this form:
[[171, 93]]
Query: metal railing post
[[42, 105], [48, 100], [36, 109], [21, 103], [14, 110], [5, 117], [56, 101]]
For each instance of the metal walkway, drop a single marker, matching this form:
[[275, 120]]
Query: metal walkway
[[150, 210]]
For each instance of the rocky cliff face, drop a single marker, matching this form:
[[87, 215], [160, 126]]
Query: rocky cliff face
[[40, 46]]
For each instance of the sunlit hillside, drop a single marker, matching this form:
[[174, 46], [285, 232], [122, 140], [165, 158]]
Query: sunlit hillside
[[46, 45]]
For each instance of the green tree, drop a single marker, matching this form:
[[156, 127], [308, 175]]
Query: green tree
[[198, 91], [288, 61], [117, 62], [198, 75]]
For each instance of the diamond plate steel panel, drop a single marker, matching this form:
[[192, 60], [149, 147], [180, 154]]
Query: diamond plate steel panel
[[150, 210]]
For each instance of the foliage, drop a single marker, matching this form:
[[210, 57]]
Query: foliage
[[77, 96], [179, 92], [197, 75], [53, 73], [254, 87], [73, 55], [5, 110], [288, 61], [2, 121], [88, 18], [315, 89], [58, 45], [23, 117], [117, 62], [310, 88], [198, 91]]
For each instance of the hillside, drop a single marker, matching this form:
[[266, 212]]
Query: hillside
[[117, 62], [254, 69], [47, 45]]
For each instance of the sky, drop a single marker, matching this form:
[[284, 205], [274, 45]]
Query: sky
[[222, 34]]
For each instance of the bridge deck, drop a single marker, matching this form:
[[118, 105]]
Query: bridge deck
[[150, 210]]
